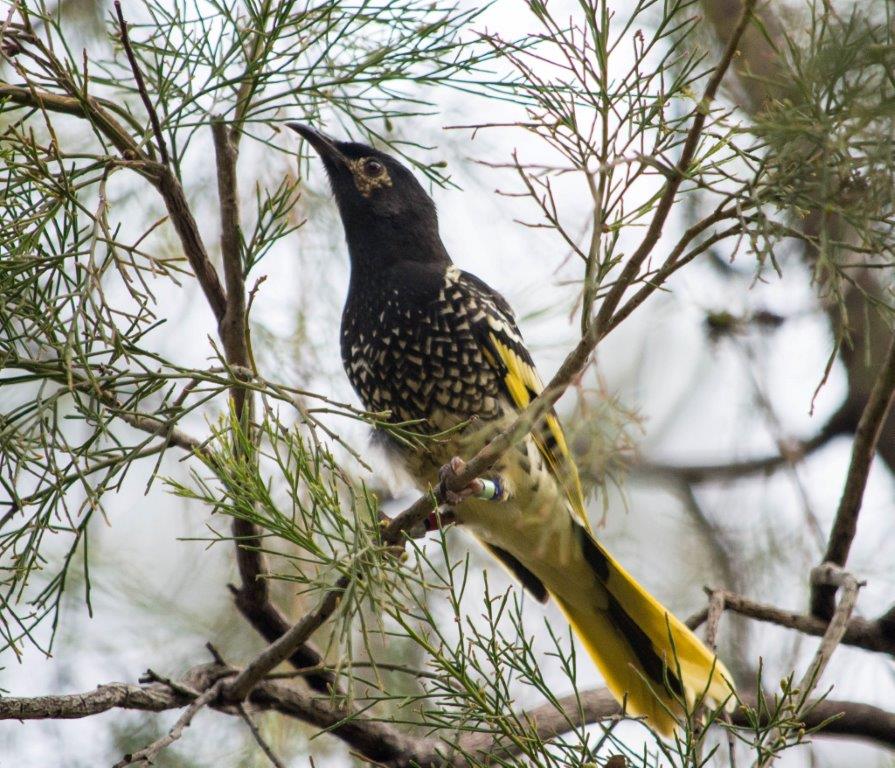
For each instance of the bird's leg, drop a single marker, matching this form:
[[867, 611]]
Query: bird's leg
[[434, 520], [488, 488], [437, 520]]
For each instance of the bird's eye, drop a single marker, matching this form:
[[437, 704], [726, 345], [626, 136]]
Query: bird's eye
[[373, 168]]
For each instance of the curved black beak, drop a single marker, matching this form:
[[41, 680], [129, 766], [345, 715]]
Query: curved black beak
[[322, 144]]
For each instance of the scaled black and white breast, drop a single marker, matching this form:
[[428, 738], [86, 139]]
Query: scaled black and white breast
[[420, 349]]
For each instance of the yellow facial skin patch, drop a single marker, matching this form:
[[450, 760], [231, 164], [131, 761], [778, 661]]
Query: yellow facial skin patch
[[365, 184]]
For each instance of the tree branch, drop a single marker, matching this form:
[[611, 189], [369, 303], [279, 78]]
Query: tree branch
[[252, 597], [378, 741], [860, 633], [61, 104], [191, 240], [697, 474], [845, 718], [141, 85], [381, 742], [867, 436], [232, 328], [81, 106], [283, 648], [271, 624]]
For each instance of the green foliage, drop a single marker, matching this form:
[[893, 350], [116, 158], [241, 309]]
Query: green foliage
[[292, 488], [252, 63], [85, 246], [84, 252], [619, 133], [827, 142]]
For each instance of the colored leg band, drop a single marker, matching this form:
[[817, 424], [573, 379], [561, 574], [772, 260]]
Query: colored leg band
[[491, 490]]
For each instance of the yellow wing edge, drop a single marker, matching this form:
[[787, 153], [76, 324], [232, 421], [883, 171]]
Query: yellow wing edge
[[521, 380]]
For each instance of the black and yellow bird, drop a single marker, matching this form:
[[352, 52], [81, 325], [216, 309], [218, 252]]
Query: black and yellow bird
[[428, 341]]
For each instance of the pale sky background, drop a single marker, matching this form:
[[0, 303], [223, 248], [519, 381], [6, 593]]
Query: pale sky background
[[693, 398]]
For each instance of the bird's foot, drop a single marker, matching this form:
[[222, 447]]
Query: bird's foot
[[479, 488], [449, 471]]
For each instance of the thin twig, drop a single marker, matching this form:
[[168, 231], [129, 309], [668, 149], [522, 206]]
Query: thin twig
[[714, 612], [141, 85], [833, 575], [276, 653], [147, 754], [713, 618], [249, 81], [256, 733]]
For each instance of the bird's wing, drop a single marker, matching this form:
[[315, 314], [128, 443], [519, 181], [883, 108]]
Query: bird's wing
[[504, 349]]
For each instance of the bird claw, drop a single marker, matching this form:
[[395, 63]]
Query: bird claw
[[449, 471], [479, 488]]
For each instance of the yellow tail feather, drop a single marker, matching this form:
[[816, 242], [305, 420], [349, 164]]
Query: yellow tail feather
[[648, 658], [638, 645]]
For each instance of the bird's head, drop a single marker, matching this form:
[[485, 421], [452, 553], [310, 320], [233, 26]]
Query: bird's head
[[387, 215]]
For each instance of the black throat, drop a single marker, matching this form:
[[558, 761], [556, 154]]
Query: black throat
[[377, 244]]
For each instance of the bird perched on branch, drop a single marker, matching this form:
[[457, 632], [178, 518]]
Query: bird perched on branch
[[427, 341]]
